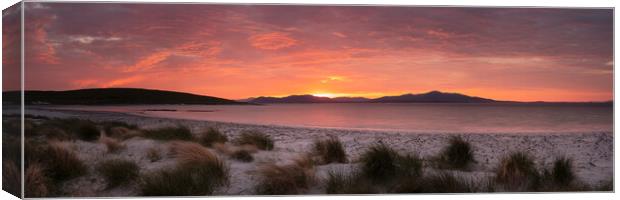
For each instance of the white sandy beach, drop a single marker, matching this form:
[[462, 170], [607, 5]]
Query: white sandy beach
[[592, 153]]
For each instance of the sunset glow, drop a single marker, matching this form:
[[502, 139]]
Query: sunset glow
[[241, 51], [325, 95]]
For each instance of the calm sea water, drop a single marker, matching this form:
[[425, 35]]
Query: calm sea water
[[399, 116]]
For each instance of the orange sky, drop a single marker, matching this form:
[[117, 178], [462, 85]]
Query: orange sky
[[247, 51]]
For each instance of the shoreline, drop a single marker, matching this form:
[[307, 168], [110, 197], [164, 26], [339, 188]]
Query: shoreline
[[592, 153]]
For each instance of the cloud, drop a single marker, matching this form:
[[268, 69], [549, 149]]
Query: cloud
[[84, 39], [339, 34], [85, 83], [334, 79], [439, 34], [122, 81], [202, 49], [39, 44], [149, 61], [272, 41]]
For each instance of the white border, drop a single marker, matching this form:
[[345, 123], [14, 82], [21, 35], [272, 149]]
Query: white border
[[484, 3]]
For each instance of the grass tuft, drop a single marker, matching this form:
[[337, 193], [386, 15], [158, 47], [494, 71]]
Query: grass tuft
[[562, 173], [54, 133], [242, 155], [87, 131], [198, 172], [118, 171], [341, 182], [293, 178], [561, 177], [330, 151], [212, 136], [37, 183], [81, 129], [517, 172], [379, 163], [60, 164], [11, 178], [153, 154], [179, 181], [258, 139], [458, 154], [117, 128], [169, 133], [112, 144], [441, 182], [190, 155], [409, 166], [122, 133]]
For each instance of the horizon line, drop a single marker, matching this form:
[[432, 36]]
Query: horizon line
[[308, 94]]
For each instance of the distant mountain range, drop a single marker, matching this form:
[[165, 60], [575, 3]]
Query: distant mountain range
[[429, 97], [111, 96]]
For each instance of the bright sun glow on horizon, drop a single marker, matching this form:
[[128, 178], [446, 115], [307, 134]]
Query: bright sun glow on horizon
[[328, 95]]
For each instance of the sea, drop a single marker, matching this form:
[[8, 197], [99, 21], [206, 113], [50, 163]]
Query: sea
[[415, 117]]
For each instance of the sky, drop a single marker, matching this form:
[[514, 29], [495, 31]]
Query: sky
[[241, 51]]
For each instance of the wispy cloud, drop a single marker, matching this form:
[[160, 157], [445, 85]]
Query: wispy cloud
[[84, 39], [272, 41]]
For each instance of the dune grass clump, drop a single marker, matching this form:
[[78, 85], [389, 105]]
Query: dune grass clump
[[11, 127], [118, 171], [517, 172], [211, 136], [330, 151], [190, 155], [179, 181], [293, 178], [59, 163], [112, 145], [153, 154], [11, 177], [385, 167], [11, 148], [54, 133], [342, 182], [242, 155], [87, 131], [409, 166], [379, 163], [109, 126], [169, 133], [562, 173], [457, 155], [81, 129], [258, 139], [122, 133], [198, 172], [37, 183], [442, 182], [561, 177]]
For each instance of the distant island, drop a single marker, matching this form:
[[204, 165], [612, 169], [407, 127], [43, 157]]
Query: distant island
[[429, 97], [113, 96]]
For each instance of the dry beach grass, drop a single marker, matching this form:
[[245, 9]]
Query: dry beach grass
[[177, 157]]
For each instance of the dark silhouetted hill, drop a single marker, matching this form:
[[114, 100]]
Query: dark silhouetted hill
[[432, 97], [113, 96]]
